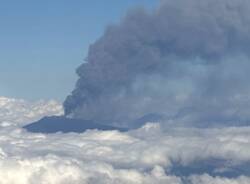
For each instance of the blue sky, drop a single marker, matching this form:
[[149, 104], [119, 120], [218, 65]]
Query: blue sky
[[42, 42]]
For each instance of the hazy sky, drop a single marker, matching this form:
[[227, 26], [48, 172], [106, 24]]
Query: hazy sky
[[42, 42]]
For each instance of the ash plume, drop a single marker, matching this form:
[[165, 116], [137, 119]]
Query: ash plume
[[186, 60]]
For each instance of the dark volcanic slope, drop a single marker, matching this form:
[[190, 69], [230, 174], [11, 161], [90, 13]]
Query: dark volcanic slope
[[55, 124]]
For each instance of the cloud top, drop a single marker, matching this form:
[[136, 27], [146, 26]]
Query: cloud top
[[151, 154], [21, 112]]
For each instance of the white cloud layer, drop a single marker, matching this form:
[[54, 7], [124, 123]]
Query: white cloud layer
[[18, 111], [144, 156]]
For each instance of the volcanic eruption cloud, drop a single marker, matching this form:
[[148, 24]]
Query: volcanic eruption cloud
[[187, 61]]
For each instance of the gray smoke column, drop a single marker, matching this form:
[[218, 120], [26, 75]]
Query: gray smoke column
[[187, 60]]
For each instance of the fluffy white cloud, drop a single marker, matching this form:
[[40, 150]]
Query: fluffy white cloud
[[16, 111], [206, 179], [144, 156]]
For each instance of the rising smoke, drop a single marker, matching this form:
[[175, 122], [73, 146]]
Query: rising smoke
[[187, 61]]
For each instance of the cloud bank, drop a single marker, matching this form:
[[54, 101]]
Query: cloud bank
[[151, 154], [21, 112], [186, 60]]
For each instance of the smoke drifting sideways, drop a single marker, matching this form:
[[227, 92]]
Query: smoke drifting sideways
[[186, 61]]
